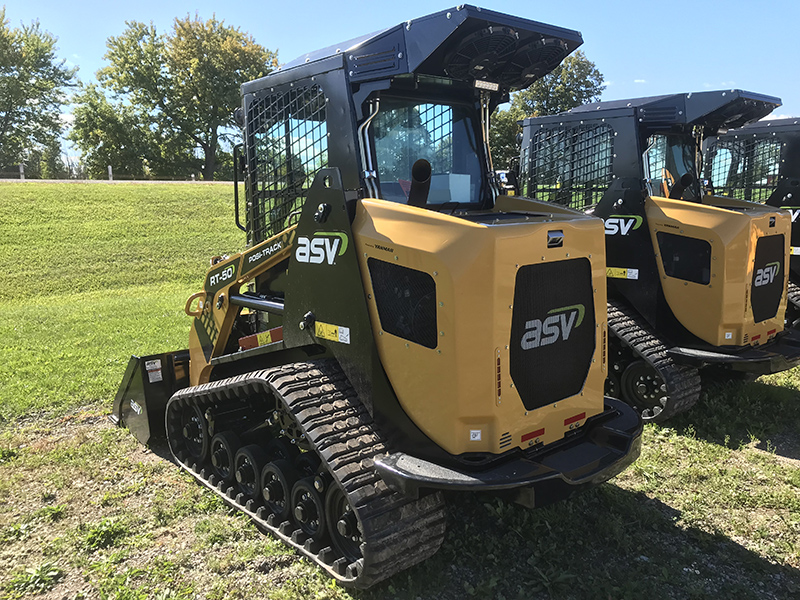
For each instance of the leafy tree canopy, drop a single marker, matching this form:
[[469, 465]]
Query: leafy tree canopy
[[172, 98], [32, 92], [574, 82]]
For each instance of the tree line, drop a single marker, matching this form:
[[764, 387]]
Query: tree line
[[163, 105]]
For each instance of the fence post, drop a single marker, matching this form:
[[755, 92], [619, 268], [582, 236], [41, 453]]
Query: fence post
[[22, 172], [110, 174]]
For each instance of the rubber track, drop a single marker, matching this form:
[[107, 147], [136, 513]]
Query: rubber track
[[397, 531], [683, 382]]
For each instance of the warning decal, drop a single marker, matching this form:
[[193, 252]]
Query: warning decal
[[333, 333], [618, 273]]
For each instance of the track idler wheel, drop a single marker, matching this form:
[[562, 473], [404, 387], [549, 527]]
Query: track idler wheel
[[248, 464], [187, 430], [223, 455], [308, 509], [644, 388], [343, 524], [277, 481]]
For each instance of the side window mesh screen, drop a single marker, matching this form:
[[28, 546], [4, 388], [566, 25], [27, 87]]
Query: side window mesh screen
[[744, 168], [287, 144], [570, 166]]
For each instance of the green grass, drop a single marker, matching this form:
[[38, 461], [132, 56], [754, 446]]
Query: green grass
[[94, 273], [99, 272]]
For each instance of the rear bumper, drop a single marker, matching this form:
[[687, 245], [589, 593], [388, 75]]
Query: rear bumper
[[604, 447], [778, 355]]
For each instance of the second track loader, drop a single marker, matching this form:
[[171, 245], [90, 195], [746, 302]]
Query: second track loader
[[695, 281]]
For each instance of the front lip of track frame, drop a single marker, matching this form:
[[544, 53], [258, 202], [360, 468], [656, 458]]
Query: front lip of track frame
[[606, 445], [780, 354]]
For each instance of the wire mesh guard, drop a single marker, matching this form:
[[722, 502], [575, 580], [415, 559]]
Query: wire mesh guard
[[744, 167], [287, 144], [569, 165]]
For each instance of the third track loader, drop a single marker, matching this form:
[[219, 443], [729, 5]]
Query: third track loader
[[760, 162], [695, 281]]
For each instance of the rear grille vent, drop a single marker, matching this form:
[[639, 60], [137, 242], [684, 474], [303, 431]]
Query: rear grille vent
[[505, 440], [552, 331], [406, 301]]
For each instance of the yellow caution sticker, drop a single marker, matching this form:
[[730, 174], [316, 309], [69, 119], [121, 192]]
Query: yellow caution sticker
[[333, 333], [264, 338], [618, 273]]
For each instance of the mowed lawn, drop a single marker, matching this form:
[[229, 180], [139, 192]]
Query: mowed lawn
[[92, 273]]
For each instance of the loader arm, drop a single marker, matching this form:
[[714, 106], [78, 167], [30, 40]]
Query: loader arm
[[217, 305]]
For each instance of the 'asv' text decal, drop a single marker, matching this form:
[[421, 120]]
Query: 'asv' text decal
[[556, 327], [622, 224], [793, 210], [768, 274], [323, 247]]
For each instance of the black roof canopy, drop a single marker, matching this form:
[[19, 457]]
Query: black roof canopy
[[462, 43], [724, 109]]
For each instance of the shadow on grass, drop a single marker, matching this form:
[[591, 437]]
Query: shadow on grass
[[606, 543], [733, 414]]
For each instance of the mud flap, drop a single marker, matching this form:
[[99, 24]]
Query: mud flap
[[148, 384]]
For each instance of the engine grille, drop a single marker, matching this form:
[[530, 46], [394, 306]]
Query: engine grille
[[768, 277], [552, 331], [406, 301]]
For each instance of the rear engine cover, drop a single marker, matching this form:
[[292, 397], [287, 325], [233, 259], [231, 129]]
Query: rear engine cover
[[552, 331]]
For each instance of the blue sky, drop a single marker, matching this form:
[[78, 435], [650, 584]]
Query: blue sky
[[642, 48]]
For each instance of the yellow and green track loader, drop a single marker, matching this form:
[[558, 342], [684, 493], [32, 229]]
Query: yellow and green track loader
[[396, 327]]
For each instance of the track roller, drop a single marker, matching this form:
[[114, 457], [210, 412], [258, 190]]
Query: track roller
[[308, 509], [223, 455], [277, 480], [248, 464]]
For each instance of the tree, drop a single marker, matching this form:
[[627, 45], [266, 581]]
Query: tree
[[179, 90], [574, 82], [32, 91]]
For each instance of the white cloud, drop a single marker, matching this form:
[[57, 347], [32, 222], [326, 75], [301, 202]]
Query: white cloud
[[640, 81], [67, 119]]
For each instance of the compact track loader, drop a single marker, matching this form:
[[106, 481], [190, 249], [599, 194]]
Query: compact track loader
[[760, 162], [396, 327], [695, 281]]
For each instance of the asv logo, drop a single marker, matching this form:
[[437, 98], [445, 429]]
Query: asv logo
[[793, 210], [768, 274], [622, 224], [557, 326], [324, 247]]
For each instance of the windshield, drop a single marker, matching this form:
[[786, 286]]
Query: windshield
[[445, 135], [668, 158]]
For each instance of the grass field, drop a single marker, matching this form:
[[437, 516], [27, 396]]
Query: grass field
[[95, 273]]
